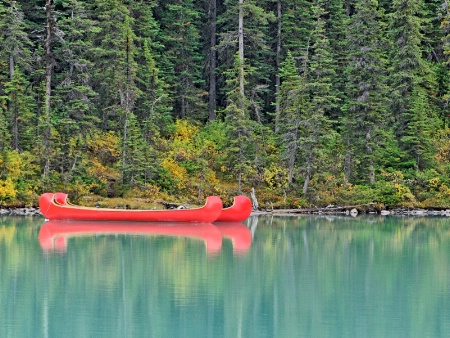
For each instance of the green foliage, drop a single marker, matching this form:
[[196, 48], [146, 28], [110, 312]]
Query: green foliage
[[362, 100]]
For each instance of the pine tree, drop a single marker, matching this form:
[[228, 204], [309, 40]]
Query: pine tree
[[292, 99], [116, 77], [15, 52], [321, 71], [20, 111], [337, 18], [182, 62], [134, 153], [292, 36], [240, 149], [409, 78], [73, 95], [366, 88], [4, 132], [445, 82], [153, 105], [112, 63], [244, 27], [74, 77], [128, 94], [51, 29], [15, 44]]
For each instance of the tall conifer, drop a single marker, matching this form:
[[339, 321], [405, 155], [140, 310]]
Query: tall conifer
[[293, 99], [238, 121], [182, 60], [409, 78], [366, 115], [15, 53], [321, 72]]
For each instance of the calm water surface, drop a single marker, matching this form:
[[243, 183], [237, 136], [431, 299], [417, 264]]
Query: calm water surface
[[269, 277]]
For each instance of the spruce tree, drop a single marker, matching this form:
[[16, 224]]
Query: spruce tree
[[20, 112], [50, 36], [366, 115], [292, 36], [15, 44], [182, 60], [134, 159], [445, 77], [292, 99], [75, 69], [112, 61], [244, 26], [337, 19], [240, 149], [15, 53], [73, 96], [116, 72], [409, 79], [153, 106], [321, 72]]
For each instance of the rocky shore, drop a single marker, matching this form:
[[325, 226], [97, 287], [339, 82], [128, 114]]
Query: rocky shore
[[27, 211], [355, 212]]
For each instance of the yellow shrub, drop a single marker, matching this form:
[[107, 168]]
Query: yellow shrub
[[275, 177], [179, 173], [7, 190], [13, 165], [184, 131], [434, 182], [406, 196], [444, 191]]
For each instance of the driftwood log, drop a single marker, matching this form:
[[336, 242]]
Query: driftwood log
[[349, 209]]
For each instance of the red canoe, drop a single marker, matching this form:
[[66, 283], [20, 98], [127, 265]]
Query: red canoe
[[55, 207], [53, 235], [238, 212]]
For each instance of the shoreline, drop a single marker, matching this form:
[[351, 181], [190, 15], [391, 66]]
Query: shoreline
[[353, 212], [344, 211]]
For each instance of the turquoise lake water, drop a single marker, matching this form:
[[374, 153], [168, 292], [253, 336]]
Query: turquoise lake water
[[267, 277]]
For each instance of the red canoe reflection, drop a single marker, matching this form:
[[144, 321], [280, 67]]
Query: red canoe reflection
[[238, 233], [53, 235]]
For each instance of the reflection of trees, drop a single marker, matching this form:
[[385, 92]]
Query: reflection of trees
[[303, 276], [373, 274]]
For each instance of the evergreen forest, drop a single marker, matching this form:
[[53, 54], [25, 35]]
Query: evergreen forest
[[306, 102]]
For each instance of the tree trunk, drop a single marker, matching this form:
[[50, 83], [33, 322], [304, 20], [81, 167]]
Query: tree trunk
[[293, 153], [11, 66], [48, 82], [241, 54], [308, 170], [241, 160], [213, 60], [255, 203], [12, 106], [278, 62], [310, 158], [371, 166]]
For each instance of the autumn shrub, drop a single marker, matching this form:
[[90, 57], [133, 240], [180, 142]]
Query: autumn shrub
[[7, 190], [275, 177]]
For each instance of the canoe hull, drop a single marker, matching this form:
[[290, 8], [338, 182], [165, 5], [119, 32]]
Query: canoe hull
[[53, 210], [238, 212]]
